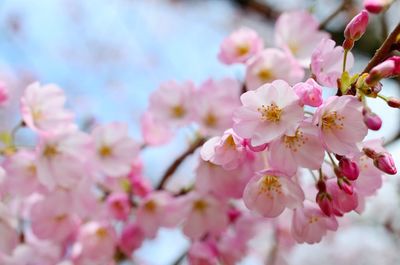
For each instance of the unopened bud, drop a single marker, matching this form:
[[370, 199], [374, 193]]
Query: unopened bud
[[349, 168], [384, 161], [345, 185], [376, 6], [394, 102], [324, 202], [373, 121], [357, 26]]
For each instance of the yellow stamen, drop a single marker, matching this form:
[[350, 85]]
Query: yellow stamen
[[271, 113], [265, 75], [242, 49], [105, 151], [50, 151], [200, 205], [332, 120], [296, 141], [178, 111], [269, 184], [210, 120], [150, 206]]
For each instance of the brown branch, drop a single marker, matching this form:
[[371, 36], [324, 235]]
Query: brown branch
[[343, 6], [384, 51], [174, 166]]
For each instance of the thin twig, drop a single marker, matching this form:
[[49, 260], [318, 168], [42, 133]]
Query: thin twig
[[343, 6], [174, 166]]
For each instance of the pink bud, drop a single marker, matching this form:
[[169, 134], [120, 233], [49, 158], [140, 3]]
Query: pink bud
[[388, 68], [4, 95], [131, 239], [369, 152], [384, 161], [259, 148], [325, 203], [376, 6], [349, 168], [372, 121], [119, 206], [357, 26], [310, 93], [394, 102], [346, 186]]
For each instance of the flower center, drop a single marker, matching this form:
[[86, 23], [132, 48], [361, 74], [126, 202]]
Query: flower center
[[270, 184], [200, 205], [271, 113], [230, 142], [101, 232], [178, 111], [265, 75], [313, 219], [50, 151], [37, 115], [296, 141], [332, 120], [150, 206], [210, 120], [293, 47], [60, 218], [105, 151], [242, 49]]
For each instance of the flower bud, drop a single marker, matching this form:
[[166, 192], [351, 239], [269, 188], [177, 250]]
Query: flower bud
[[4, 95], [309, 92], [394, 102], [373, 121], [349, 168], [357, 26], [324, 202], [118, 205], [376, 6], [388, 68], [384, 161], [345, 185]]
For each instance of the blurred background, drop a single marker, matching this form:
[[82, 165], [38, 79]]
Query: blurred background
[[109, 55]]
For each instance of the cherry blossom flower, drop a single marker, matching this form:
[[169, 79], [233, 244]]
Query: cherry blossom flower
[[272, 64], [171, 104], [62, 158], [327, 62], [42, 109], [119, 205], [115, 150], [267, 113], [341, 124], [297, 33], [304, 149], [309, 92], [241, 45], [131, 238], [310, 224], [269, 192]]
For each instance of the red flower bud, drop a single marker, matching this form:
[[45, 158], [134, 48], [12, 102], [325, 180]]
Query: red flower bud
[[372, 121], [324, 202], [349, 168], [384, 161], [394, 102], [357, 26]]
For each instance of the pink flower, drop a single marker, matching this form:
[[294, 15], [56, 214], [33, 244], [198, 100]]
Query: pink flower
[[42, 108], [171, 104], [357, 26], [309, 224], [269, 65], [157, 210], [205, 215], [341, 124], [115, 150], [95, 244], [22, 177], [62, 158], [227, 151], [215, 102], [370, 178], [203, 253], [310, 93], [267, 113], [270, 192], [4, 94], [131, 238], [240, 46], [349, 168], [297, 33], [154, 133], [377, 6], [51, 217], [342, 201], [327, 62], [119, 206], [303, 149]]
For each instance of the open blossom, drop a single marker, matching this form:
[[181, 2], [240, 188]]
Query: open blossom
[[52, 217], [303, 149], [157, 210], [171, 104], [240, 46], [341, 124], [268, 112], [204, 215], [215, 102], [310, 224], [327, 62], [21, 170], [62, 158], [115, 150], [309, 92], [297, 33], [42, 108], [272, 64], [95, 244], [342, 201], [270, 192]]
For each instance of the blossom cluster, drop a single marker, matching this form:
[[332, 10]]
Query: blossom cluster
[[286, 144]]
